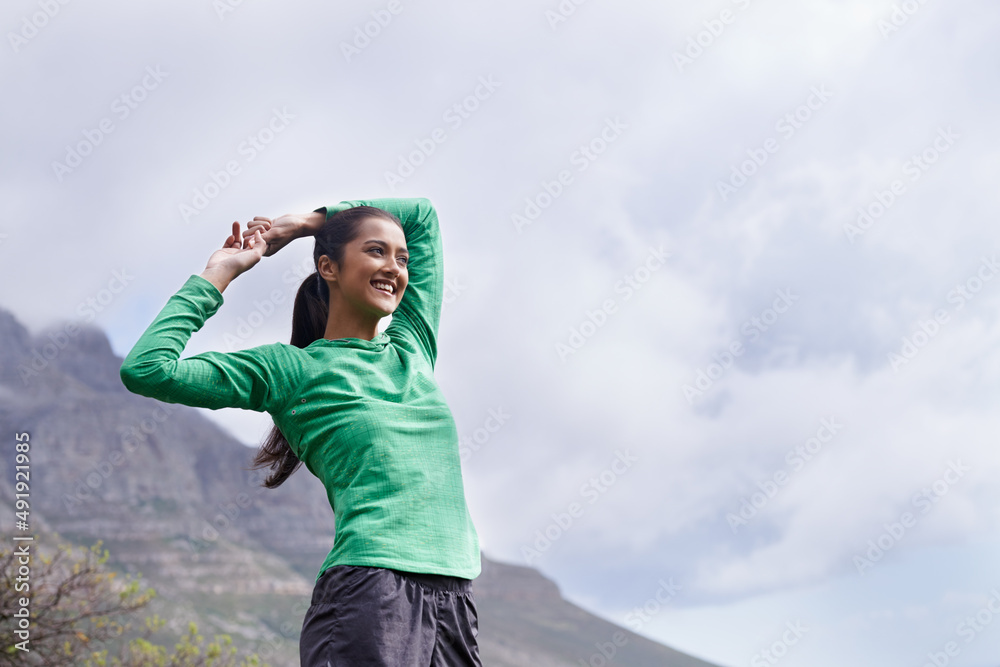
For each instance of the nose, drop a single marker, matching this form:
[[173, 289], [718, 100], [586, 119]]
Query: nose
[[389, 272]]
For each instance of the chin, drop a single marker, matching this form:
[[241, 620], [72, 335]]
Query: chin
[[382, 309]]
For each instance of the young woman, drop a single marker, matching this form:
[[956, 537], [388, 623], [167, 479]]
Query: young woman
[[362, 410]]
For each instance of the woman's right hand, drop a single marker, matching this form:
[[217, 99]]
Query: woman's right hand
[[233, 258]]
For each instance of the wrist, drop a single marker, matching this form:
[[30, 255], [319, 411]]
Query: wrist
[[218, 277], [313, 222]]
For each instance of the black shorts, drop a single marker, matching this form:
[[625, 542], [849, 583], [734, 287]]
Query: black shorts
[[379, 617]]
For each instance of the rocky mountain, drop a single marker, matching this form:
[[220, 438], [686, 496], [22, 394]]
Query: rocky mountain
[[169, 494]]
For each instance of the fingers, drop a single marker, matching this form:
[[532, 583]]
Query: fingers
[[260, 223], [257, 242], [233, 240], [254, 224], [254, 241]]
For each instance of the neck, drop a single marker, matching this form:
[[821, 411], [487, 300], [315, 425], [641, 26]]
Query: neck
[[344, 321]]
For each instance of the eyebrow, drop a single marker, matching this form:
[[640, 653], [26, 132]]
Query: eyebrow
[[383, 243]]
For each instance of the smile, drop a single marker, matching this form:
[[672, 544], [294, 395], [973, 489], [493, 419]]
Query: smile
[[383, 287]]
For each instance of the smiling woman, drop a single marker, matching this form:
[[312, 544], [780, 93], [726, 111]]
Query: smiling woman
[[362, 411], [361, 271]]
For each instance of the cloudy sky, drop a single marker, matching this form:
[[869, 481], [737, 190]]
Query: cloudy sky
[[725, 271]]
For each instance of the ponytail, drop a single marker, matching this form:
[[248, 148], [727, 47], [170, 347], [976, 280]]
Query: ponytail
[[310, 316], [311, 310]]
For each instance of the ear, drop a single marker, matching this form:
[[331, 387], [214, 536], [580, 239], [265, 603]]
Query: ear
[[327, 268]]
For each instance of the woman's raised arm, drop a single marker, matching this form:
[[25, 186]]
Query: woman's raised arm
[[419, 311], [253, 379]]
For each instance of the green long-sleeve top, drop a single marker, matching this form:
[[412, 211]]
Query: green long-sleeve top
[[365, 416]]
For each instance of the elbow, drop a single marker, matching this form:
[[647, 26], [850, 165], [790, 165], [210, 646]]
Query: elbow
[[136, 379], [426, 212], [129, 378]]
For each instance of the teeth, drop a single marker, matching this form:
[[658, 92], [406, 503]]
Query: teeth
[[385, 287]]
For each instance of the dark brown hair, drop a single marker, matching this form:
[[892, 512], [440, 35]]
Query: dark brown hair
[[309, 319]]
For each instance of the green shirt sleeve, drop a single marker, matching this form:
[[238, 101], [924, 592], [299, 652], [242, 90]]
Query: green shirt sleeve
[[247, 379], [419, 311]]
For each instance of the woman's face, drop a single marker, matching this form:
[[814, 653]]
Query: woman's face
[[376, 256]]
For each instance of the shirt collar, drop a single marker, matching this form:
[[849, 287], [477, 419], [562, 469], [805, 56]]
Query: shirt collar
[[377, 343]]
